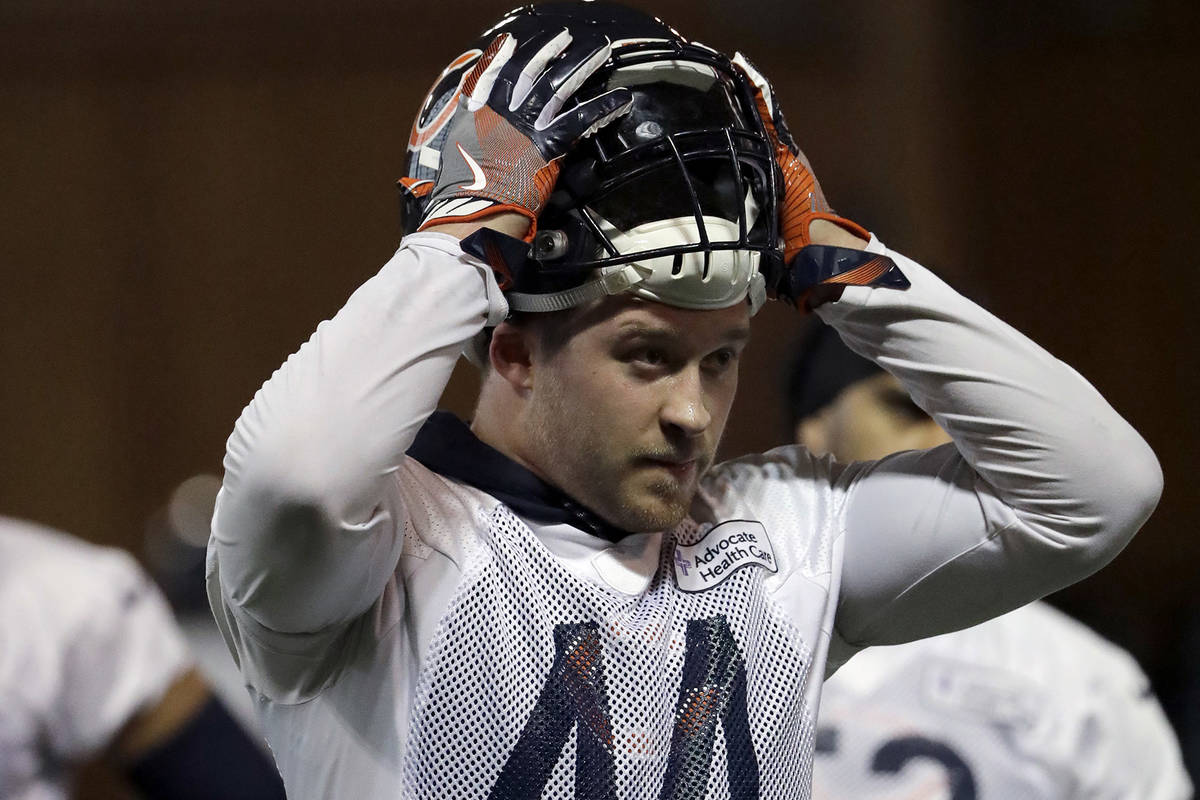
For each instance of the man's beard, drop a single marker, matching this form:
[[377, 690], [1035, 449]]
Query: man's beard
[[572, 451]]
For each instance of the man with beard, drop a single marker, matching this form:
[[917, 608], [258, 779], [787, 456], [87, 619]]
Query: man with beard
[[564, 598]]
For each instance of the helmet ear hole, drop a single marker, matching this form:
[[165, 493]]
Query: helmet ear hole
[[550, 244]]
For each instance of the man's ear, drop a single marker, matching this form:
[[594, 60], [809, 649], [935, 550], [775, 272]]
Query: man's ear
[[510, 355]]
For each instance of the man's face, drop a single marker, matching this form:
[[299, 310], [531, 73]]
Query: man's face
[[625, 416], [868, 420]]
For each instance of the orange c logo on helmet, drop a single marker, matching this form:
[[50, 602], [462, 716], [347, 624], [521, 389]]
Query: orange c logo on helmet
[[425, 129]]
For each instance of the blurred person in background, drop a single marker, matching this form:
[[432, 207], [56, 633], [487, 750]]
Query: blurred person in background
[[92, 665], [1031, 705], [174, 547]]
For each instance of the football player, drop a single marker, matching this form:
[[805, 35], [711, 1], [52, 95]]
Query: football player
[[1030, 705], [565, 597], [92, 665]]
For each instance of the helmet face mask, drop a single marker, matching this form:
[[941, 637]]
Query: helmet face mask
[[683, 187]]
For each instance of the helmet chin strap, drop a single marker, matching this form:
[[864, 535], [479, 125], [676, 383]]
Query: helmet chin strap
[[615, 281], [608, 282]]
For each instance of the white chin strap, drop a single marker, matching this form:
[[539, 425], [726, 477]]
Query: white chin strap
[[611, 280], [682, 280]]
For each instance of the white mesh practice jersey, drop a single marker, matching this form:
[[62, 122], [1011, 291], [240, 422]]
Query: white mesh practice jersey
[[86, 642], [408, 635], [1029, 706]]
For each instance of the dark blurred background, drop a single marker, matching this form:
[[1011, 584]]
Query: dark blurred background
[[189, 187]]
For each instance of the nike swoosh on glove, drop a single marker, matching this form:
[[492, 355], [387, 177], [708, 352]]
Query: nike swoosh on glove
[[509, 131]]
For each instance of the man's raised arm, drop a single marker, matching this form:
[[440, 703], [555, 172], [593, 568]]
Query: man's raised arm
[[1044, 484], [309, 523]]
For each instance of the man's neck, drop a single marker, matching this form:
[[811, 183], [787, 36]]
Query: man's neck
[[446, 446], [500, 427]]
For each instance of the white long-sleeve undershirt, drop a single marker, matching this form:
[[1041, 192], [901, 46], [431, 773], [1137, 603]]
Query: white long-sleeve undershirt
[[1044, 483]]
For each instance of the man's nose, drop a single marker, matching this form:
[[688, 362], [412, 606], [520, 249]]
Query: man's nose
[[685, 407]]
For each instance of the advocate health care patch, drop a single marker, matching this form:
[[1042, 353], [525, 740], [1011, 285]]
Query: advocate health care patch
[[723, 551]]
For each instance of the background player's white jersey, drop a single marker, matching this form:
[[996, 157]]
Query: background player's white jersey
[[86, 641], [1029, 706]]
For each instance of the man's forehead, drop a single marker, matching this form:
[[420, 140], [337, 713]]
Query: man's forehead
[[631, 314]]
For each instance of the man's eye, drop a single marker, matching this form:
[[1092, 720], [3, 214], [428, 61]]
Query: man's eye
[[645, 357], [721, 359], [651, 356]]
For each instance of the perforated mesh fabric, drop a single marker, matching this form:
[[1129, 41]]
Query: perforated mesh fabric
[[540, 684]]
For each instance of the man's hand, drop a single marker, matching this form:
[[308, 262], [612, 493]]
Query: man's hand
[[806, 217], [822, 252], [507, 133]]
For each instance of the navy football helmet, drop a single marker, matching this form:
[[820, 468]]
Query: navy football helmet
[[676, 201]]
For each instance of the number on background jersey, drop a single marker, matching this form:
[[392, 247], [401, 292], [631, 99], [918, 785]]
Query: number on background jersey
[[894, 755], [575, 695]]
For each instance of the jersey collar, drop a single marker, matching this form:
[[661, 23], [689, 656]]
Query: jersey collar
[[446, 445]]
